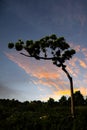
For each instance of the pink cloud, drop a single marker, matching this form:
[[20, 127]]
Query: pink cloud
[[47, 76], [83, 90], [82, 64]]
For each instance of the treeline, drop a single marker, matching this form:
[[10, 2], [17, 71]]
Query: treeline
[[79, 100], [37, 115]]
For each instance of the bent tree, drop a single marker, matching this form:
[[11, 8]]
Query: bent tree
[[49, 48]]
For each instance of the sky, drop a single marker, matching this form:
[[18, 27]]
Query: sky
[[24, 78]]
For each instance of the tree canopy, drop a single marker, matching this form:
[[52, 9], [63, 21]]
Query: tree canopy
[[47, 48]]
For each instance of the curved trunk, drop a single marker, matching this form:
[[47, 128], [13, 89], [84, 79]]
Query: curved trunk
[[71, 88]]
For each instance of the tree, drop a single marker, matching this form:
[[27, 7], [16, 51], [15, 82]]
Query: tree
[[78, 98], [63, 101], [50, 102], [49, 48]]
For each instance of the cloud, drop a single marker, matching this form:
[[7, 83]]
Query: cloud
[[39, 69], [82, 64], [6, 92], [83, 90], [48, 77], [84, 51], [42, 73]]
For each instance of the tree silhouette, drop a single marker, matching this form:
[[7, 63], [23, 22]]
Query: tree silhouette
[[49, 48], [51, 102], [63, 101], [78, 98]]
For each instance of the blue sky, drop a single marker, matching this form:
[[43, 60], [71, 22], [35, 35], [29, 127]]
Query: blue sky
[[24, 78]]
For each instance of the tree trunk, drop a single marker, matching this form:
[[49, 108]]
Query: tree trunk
[[71, 89]]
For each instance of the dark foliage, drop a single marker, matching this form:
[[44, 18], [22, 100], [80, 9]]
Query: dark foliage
[[60, 50], [37, 115]]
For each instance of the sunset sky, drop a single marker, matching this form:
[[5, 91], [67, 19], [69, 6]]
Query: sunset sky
[[24, 78]]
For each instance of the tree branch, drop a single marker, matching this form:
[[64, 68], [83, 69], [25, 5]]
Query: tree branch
[[38, 57]]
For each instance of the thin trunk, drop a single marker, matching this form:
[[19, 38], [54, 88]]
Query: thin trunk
[[71, 89]]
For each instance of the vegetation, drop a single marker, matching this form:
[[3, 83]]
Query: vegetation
[[49, 48], [37, 115]]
